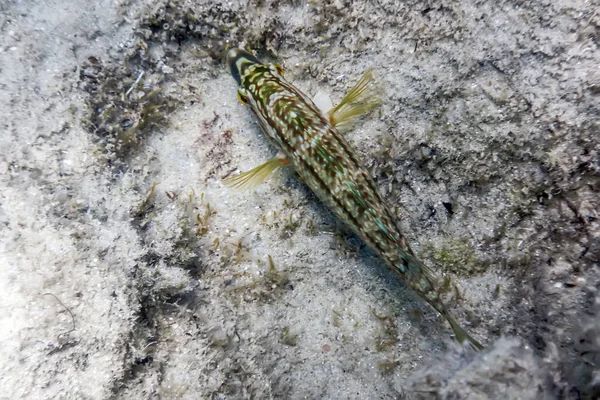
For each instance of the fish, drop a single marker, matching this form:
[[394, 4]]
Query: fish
[[311, 140]]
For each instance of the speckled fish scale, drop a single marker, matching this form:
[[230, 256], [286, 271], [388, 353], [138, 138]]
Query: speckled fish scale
[[326, 163]]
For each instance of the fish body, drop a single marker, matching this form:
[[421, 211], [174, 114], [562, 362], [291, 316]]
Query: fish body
[[311, 143]]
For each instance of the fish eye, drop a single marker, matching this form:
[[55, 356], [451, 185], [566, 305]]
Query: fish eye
[[242, 98]]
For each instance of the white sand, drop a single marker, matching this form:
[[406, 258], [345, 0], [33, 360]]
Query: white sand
[[487, 146]]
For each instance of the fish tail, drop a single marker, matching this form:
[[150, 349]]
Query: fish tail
[[462, 335], [421, 280]]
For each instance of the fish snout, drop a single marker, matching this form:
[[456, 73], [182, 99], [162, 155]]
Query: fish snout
[[238, 60]]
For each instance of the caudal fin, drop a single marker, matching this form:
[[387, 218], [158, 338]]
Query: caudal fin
[[462, 335]]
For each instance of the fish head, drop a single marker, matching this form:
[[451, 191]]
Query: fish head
[[260, 85], [241, 64]]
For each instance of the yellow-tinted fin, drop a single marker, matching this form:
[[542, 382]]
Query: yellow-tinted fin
[[462, 335], [256, 176], [365, 96]]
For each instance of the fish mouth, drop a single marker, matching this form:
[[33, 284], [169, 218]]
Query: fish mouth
[[238, 60]]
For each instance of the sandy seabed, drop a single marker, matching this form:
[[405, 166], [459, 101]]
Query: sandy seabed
[[128, 270]]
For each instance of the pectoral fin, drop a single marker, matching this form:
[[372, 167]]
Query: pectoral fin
[[365, 96], [256, 176]]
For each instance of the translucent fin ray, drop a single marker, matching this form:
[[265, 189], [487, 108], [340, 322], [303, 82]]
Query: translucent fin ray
[[254, 177], [462, 335], [365, 96]]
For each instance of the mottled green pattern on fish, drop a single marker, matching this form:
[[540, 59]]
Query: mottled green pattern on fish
[[327, 164]]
